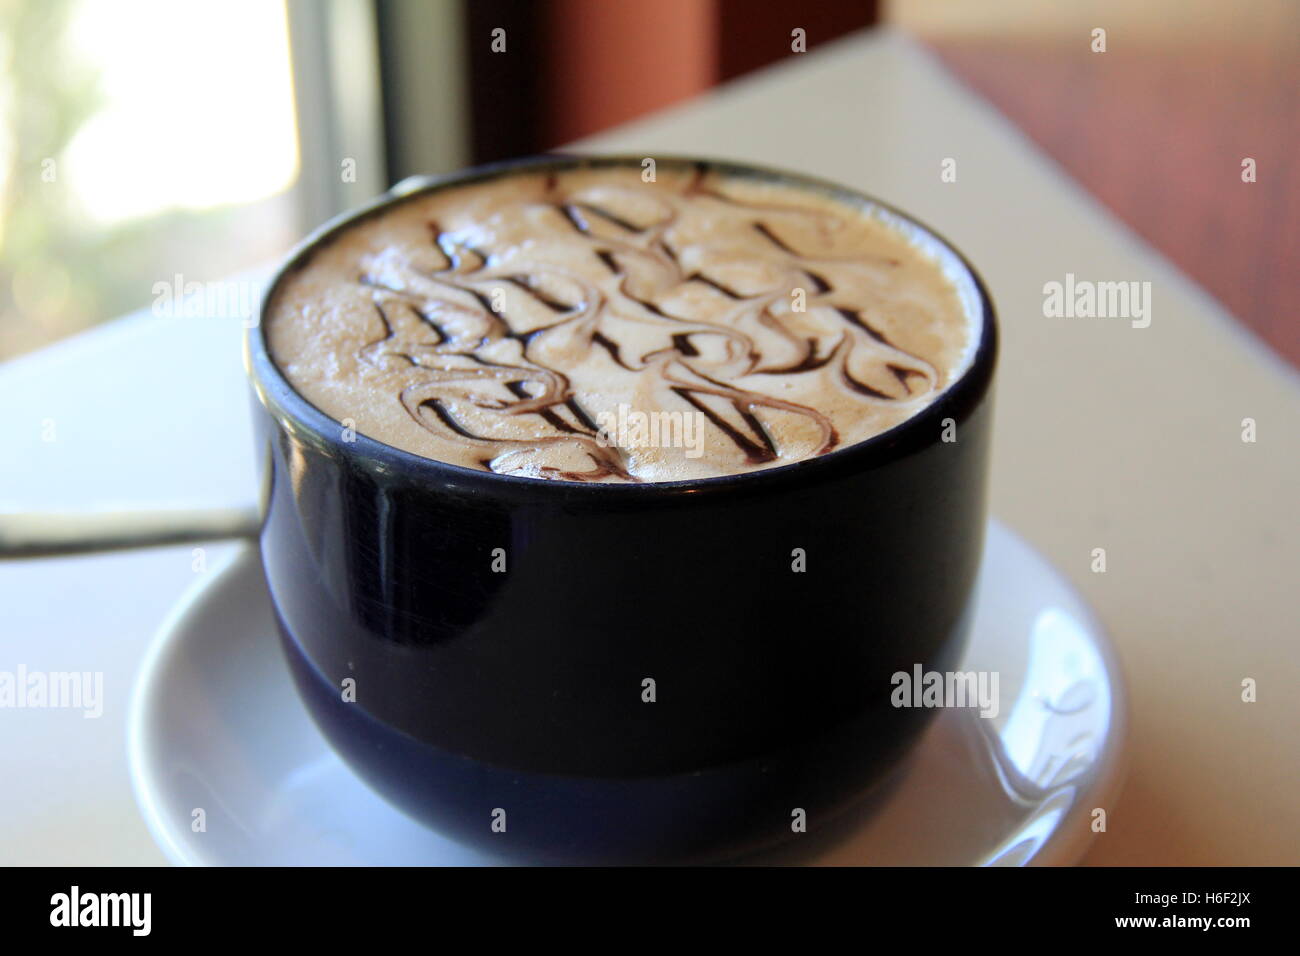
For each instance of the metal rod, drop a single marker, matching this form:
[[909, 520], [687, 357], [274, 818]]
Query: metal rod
[[35, 534]]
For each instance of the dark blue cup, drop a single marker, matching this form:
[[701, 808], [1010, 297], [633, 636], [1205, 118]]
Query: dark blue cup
[[485, 697]]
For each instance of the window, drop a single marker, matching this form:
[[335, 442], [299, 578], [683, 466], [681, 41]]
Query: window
[[139, 140]]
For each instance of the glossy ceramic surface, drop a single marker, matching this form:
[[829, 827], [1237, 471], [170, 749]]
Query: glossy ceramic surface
[[215, 725]]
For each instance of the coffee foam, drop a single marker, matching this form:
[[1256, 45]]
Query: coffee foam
[[586, 325]]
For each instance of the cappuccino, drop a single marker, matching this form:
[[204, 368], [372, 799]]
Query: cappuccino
[[588, 325]]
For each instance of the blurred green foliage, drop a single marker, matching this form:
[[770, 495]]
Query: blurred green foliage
[[59, 273]]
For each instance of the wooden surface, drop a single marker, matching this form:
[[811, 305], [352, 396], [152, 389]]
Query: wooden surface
[[1158, 134]]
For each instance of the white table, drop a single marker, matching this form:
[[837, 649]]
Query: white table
[[1107, 436]]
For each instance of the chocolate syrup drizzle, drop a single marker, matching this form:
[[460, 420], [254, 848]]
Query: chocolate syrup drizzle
[[471, 357]]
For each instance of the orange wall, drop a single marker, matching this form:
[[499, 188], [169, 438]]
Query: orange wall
[[672, 56]]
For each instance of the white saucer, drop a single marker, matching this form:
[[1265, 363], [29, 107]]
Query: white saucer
[[216, 725]]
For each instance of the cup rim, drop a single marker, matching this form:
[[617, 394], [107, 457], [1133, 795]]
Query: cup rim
[[305, 420]]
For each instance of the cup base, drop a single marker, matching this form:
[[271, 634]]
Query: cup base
[[713, 814]]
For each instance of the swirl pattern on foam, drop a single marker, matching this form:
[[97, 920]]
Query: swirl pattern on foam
[[586, 325]]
